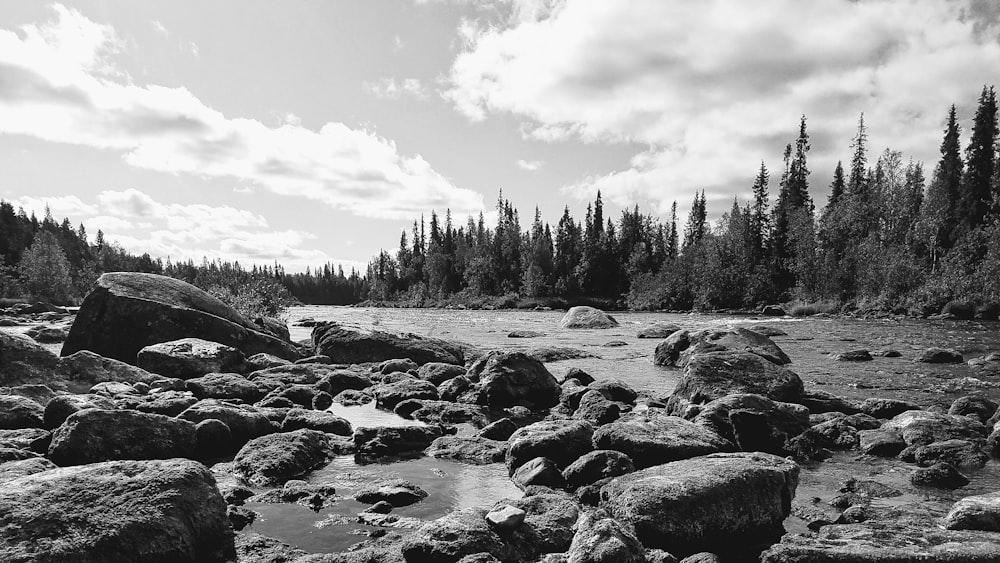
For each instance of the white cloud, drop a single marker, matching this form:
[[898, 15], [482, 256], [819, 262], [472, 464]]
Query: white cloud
[[160, 28], [530, 165], [58, 83], [60, 206], [392, 89], [713, 87]]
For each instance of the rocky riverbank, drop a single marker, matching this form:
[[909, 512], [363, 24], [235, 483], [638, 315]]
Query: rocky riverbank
[[168, 416]]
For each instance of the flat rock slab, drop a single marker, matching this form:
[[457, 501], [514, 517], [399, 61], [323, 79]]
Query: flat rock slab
[[729, 500]]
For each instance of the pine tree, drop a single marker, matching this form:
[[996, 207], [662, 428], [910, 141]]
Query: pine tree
[[939, 209], [837, 186], [757, 217], [672, 242], [976, 197], [696, 225]]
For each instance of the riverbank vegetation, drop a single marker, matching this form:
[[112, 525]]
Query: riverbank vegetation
[[888, 237]]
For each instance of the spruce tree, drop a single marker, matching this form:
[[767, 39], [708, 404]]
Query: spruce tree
[[976, 198]]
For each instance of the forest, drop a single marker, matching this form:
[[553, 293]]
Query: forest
[[887, 238]]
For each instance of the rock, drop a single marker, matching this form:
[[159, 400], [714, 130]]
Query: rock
[[128, 311], [18, 412], [312, 496], [15, 454], [615, 390], [507, 379], [561, 441], [652, 438], [273, 459], [14, 469], [47, 334], [224, 386], [114, 389], [396, 492], [753, 422], [169, 403], [388, 396], [822, 402], [919, 428], [578, 374], [167, 510], [346, 345], [960, 453], [83, 369], [499, 430], [315, 420], [853, 356], [524, 334], [240, 517], [587, 317], [322, 401], [214, 439], [883, 542], [680, 347], [397, 376], [31, 439], [614, 344], [939, 356], [505, 518], [768, 331], [454, 536], [59, 408], [437, 372], [558, 353], [981, 512], [380, 507], [773, 311], [962, 310], [351, 397], [714, 375], [979, 407], [94, 435], [659, 330], [468, 449], [393, 440], [941, 475], [256, 548], [722, 502], [452, 389], [595, 466], [22, 360], [187, 358], [883, 443], [245, 423], [602, 539], [298, 394], [659, 556], [596, 409], [540, 471], [403, 364], [303, 374], [263, 361], [548, 524], [886, 408]]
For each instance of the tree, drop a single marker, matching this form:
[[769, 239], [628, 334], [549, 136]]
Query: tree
[[696, 225], [976, 198], [758, 219], [45, 272], [939, 209]]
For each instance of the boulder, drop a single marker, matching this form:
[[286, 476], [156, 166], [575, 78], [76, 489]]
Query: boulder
[[714, 375], [31, 439], [214, 439], [886, 408], [244, 422], [595, 466], [156, 511], [680, 347], [188, 358], [752, 422], [393, 440], [540, 471], [940, 475], [859, 355], [525, 334], [468, 449], [47, 334], [273, 459], [596, 409], [15, 469], [719, 502], [437, 372], [18, 412], [315, 420], [939, 356], [128, 311], [396, 492], [224, 386], [981, 512], [587, 317], [884, 443], [59, 408], [602, 539], [388, 396], [658, 331], [402, 364], [559, 440], [263, 361], [499, 429], [170, 403], [507, 379], [452, 389], [982, 408], [767, 331], [251, 547], [919, 428], [84, 369], [94, 435], [297, 393], [345, 345], [960, 453], [505, 518], [652, 438], [615, 390], [455, 535], [22, 360]]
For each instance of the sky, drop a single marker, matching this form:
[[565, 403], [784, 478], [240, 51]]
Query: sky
[[313, 131]]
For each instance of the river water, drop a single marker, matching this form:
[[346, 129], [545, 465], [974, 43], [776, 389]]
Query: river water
[[809, 342]]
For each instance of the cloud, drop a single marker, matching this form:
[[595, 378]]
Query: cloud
[[160, 28], [391, 89], [712, 88], [58, 82], [60, 206], [530, 165]]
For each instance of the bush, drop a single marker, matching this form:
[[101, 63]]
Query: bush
[[45, 271], [801, 309], [959, 309]]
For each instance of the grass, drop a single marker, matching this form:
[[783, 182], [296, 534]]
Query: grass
[[803, 309]]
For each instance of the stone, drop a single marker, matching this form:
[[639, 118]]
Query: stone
[[595, 466], [263, 361], [940, 475], [393, 440], [507, 379], [919, 428], [380, 507], [960, 453], [882, 443], [322, 421], [886, 408], [468, 449], [22, 360], [714, 375], [169, 403], [505, 518], [602, 539], [255, 548], [18, 412], [396, 492], [273, 459], [224, 386], [976, 406], [438, 372], [213, 438], [980, 512], [939, 356], [162, 510], [59, 408], [31, 439], [452, 389], [453, 536], [558, 353], [860, 355], [548, 524], [752, 422], [399, 364], [680, 347], [540, 471], [582, 377], [345, 345], [388, 396], [615, 390], [95, 435], [587, 317], [561, 441], [596, 409], [245, 422], [322, 401], [128, 311], [352, 397], [822, 402], [658, 331], [725, 501], [47, 334], [768, 331], [299, 394], [14, 469], [652, 438], [188, 358], [525, 334], [499, 429]]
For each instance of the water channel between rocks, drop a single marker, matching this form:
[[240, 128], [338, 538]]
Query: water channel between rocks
[[809, 342]]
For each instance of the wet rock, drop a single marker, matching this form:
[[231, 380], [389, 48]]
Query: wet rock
[[442, 412], [507, 379], [919, 428], [942, 475], [979, 407], [602, 539], [939, 356], [19, 412], [128, 311], [822, 402], [452, 389], [753, 422], [659, 330], [94, 435], [388, 396], [322, 421], [396, 492], [886, 408], [166, 510], [856, 491], [558, 353], [402, 364], [714, 375], [859, 355], [582, 377], [251, 547], [240, 517], [960, 453], [224, 386], [245, 422], [275, 458], [346, 345], [14, 469], [524, 334], [468, 449], [720, 502], [322, 401], [499, 430], [587, 317], [882, 443], [680, 347], [538, 471], [393, 440], [981, 512], [652, 438], [596, 409], [380, 507], [505, 518], [437, 372], [561, 441], [352, 397], [615, 390], [453, 536], [595, 466], [261, 361]]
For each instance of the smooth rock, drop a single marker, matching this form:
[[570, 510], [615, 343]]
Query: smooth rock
[[587, 317], [980, 512], [505, 518]]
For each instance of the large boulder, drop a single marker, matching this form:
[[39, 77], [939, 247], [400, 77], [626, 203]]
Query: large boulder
[[84, 369], [753, 423], [94, 435], [390, 395], [346, 345], [601, 539], [187, 358], [718, 502], [652, 437], [508, 379], [455, 535], [714, 375], [680, 347], [152, 511], [981, 512], [273, 459], [128, 311], [562, 441], [315, 420], [587, 317], [22, 360]]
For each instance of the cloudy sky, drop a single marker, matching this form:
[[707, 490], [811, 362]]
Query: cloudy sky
[[314, 131]]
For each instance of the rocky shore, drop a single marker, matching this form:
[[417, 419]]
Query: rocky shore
[[167, 414]]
